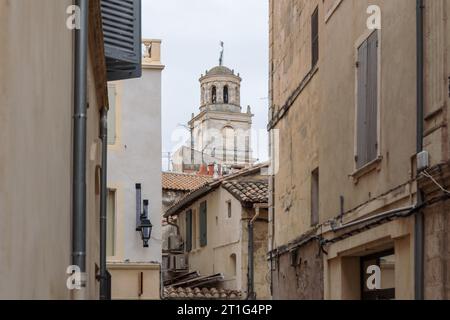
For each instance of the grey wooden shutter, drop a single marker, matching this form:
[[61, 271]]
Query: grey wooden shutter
[[372, 97], [315, 37], [361, 132], [203, 225], [122, 38], [367, 111], [189, 231]]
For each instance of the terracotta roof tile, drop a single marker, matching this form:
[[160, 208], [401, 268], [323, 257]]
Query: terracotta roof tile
[[183, 181], [201, 294], [248, 191]]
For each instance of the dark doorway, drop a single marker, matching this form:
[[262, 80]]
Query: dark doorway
[[382, 263]]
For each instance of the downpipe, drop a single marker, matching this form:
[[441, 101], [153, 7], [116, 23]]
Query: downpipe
[[104, 295], [79, 145], [419, 217]]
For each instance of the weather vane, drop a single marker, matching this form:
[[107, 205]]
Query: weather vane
[[221, 53]]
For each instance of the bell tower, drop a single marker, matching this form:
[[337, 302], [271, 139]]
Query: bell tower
[[221, 132]]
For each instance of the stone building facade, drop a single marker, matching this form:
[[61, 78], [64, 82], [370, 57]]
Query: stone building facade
[[134, 140], [347, 196], [36, 135], [213, 222]]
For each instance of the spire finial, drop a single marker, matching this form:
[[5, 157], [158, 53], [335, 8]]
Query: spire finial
[[222, 45]]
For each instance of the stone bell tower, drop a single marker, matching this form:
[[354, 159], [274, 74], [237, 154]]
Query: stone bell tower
[[221, 132]]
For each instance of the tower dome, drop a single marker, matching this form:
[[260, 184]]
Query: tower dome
[[220, 90]]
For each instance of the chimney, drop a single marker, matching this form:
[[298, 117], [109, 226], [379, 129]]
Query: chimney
[[211, 170], [203, 170]]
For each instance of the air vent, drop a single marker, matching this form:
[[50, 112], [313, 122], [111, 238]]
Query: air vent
[[122, 38]]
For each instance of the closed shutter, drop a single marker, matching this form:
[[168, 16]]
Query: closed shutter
[[122, 38], [372, 97], [367, 110], [203, 225], [361, 154], [315, 37], [189, 231]]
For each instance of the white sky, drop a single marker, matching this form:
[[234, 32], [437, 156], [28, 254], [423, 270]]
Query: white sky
[[190, 32]]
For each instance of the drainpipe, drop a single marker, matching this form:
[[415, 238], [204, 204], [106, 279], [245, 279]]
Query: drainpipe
[[419, 217], [251, 263], [79, 143], [103, 205]]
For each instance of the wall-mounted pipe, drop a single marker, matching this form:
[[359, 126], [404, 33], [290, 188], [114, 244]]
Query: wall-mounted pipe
[[419, 217], [104, 294], [79, 141], [251, 295], [138, 206]]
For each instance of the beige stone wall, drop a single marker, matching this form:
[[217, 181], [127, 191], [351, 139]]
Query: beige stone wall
[[135, 281], [36, 86], [322, 118], [317, 130], [224, 238]]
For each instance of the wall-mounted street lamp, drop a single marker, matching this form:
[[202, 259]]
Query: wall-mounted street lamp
[[143, 224]]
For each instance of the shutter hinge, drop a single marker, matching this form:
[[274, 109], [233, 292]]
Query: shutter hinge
[[357, 64]]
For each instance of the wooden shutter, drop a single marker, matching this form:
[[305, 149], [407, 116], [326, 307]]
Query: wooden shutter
[[315, 37], [122, 38], [315, 197], [188, 231], [203, 225], [367, 110], [361, 154], [372, 97]]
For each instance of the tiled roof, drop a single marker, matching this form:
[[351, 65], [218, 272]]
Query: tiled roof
[[248, 191], [201, 294], [214, 184], [182, 181]]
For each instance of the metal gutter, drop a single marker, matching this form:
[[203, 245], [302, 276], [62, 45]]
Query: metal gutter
[[419, 218], [79, 142], [104, 294]]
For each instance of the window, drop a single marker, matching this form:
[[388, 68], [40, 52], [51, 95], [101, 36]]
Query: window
[[111, 224], [203, 225], [194, 229], [228, 142], [233, 268], [214, 94], [188, 241], [112, 95], [315, 37], [229, 208], [367, 101], [247, 149], [315, 197], [378, 276], [225, 94], [235, 148]]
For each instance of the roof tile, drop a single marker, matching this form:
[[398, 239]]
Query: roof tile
[[183, 181]]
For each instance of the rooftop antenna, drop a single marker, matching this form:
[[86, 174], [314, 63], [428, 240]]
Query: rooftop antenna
[[222, 45]]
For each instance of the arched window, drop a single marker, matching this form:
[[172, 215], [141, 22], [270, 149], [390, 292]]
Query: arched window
[[228, 143], [225, 94], [214, 94]]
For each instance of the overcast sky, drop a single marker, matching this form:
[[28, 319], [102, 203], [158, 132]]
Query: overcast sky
[[191, 32]]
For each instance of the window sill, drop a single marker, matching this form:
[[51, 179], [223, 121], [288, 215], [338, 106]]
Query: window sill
[[374, 165]]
